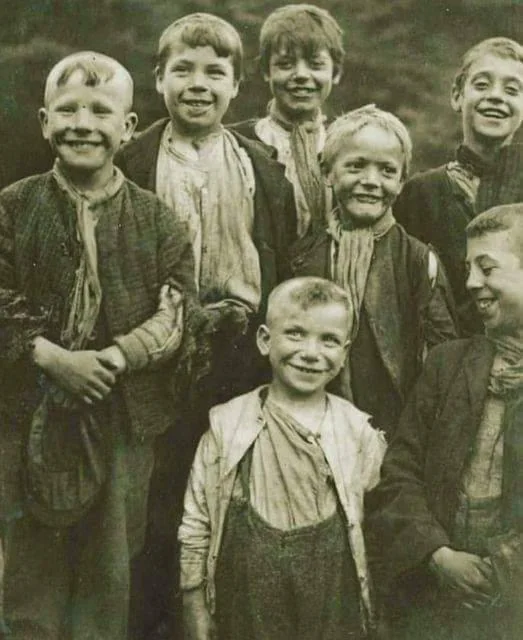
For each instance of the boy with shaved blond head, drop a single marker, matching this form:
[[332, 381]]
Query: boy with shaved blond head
[[93, 275], [271, 537]]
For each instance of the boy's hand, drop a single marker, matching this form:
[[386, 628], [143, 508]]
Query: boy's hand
[[113, 358], [466, 573], [80, 373], [197, 621]]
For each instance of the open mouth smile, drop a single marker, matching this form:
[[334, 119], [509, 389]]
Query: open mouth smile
[[307, 369], [485, 304], [497, 114]]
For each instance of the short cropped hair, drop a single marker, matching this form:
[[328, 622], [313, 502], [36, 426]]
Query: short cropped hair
[[351, 122], [302, 26], [507, 217], [96, 69], [500, 47], [202, 30], [306, 292]]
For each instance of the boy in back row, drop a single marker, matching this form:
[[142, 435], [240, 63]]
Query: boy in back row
[[436, 206], [85, 258], [271, 538], [301, 58]]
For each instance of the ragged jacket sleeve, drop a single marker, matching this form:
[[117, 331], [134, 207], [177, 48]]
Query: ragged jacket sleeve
[[20, 322], [194, 533], [402, 530], [157, 339]]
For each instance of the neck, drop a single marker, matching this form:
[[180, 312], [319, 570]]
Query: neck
[[486, 149], [290, 120], [193, 135], [296, 403], [87, 180]]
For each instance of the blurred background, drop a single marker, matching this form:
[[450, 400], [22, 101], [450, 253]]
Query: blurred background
[[401, 54]]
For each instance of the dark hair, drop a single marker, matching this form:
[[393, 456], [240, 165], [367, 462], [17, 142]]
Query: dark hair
[[202, 30], [500, 47], [96, 69], [306, 292], [302, 26]]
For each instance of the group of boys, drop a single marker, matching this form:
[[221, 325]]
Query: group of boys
[[144, 287]]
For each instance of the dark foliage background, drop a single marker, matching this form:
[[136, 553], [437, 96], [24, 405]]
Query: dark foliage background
[[401, 54]]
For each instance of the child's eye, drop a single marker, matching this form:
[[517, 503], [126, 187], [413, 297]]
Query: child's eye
[[390, 171], [284, 64], [179, 70], [481, 85], [513, 90], [331, 341], [295, 334], [101, 111], [65, 109], [217, 73], [487, 270]]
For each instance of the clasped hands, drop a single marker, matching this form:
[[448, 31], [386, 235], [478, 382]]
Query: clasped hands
[[87, 375], [469, 576]]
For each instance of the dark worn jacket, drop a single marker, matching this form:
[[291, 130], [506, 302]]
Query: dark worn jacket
[[401, 312], [274, 211], [140, 247], [436, 211], [416, 500]]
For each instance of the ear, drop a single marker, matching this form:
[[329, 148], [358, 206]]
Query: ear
[[337, 76], [263, 339], [236, 88], [43, 118], [456, 99], [131, 120], [158, 74]]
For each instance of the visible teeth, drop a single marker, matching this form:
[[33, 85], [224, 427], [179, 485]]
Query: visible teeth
[[484, 304]]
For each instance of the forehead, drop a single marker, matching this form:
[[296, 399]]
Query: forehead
[[179, 51], [503, 246], [115, 90], [327, 316], [372, 141], [299, 52], [494, 65]]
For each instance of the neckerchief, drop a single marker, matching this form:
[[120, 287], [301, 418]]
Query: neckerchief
[[86, 295], [304, 150], [352, 257]]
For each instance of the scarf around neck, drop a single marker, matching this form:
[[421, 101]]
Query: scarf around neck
[[352, 258], [304, 150], [86, 295]]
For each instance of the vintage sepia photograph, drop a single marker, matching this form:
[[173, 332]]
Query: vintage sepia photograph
[[261, 320]]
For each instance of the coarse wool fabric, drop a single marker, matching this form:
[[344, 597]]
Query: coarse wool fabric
[[284, 585], [436, 210]]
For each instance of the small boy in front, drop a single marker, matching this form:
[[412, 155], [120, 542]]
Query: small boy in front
[[437, 205], [400, 300], [271, 537], [301, 57], [93, 273]]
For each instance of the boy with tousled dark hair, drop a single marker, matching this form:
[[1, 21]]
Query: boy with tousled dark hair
[[301, 57]]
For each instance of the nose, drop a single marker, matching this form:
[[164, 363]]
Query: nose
[[83, 119], [310, 350], [198, 81], [475, 278], [301, 70], [370, 176], [496, 91]]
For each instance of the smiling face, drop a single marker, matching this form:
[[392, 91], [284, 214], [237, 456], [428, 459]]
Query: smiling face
[[495, 281], [85, 126], [366, 174], [300, 84], [197, 86], [306, 347], [490, 101]]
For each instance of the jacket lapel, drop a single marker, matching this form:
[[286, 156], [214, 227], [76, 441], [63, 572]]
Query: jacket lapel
[[140, 156], [477, 364]]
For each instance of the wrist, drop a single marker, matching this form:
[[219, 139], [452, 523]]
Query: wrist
[[43, 352], [439, 556]]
